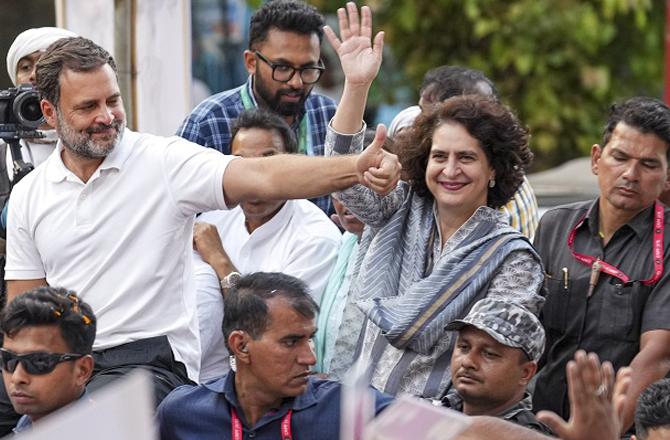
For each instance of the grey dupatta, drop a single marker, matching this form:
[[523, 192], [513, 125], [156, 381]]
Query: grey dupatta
[[408, 301], [391, 261]]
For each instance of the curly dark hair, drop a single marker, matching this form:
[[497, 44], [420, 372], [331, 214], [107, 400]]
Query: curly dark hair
[[499, 132], [52, 306], [285, 15]]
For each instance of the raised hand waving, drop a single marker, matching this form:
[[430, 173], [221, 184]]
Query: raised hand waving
[[359, 55]]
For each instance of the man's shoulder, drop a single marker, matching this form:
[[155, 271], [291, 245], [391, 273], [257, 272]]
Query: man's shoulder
[[187, 395], [183, 394], [561, 213], [324, 387], [226, 104], [34, 180], [324, 393], [330, 392], [313, 222], [228, 222]]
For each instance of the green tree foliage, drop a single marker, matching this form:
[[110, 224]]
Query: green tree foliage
[[559, 63]]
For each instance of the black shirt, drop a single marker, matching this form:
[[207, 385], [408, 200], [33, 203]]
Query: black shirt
[[612, 320], [520, 413]]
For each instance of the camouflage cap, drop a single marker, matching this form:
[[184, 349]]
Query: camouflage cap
[[508, 323]]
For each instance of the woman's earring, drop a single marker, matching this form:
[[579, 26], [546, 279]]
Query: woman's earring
[[492, 183]]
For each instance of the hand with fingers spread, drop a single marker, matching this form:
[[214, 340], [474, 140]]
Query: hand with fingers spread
[[378, 169], [596, 400], [359, 55]]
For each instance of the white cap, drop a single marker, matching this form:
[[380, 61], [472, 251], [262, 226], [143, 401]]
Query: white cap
[[30, 41], [403, 120]]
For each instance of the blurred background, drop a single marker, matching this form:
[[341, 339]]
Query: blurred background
[[558, 63]]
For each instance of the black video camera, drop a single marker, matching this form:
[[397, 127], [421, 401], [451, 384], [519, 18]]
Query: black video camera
[[20, 112], [20, 116]]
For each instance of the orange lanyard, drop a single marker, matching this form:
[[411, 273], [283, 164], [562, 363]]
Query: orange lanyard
[[598, 265], [237, 426]]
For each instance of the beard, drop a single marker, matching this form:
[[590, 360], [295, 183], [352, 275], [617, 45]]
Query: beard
[[274, 101], [81, 142]]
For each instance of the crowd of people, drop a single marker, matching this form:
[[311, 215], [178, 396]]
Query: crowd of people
[[251, 260]]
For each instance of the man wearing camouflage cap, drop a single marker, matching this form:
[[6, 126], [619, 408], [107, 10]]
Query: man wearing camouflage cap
[[498, 346]]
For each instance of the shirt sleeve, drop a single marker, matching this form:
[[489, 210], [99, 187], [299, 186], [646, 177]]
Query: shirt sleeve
[[191, 130], [23, 259], [210, 305], [194, 176], [519, 279], [371, 208], [209, 125], [313, 264], [521, 210]]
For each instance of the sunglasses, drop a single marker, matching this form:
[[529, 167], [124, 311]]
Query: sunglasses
[[34, 363]]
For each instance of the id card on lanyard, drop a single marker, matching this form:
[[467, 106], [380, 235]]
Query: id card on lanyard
[[304, 138], [597, 265]]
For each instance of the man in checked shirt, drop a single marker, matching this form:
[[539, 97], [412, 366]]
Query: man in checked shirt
[[284, 63]]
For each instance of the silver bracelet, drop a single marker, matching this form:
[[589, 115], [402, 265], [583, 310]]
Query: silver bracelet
[[230, 280]]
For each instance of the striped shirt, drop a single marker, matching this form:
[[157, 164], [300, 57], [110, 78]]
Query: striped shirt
[[521, 210], [211, 122]]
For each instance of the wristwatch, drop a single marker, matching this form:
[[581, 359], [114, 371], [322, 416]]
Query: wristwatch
[[230, 280]]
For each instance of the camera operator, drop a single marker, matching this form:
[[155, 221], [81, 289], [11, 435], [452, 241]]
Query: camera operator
[[22, 56]]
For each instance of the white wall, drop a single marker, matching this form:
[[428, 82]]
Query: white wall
[[159, 98], [162, 64], [93, 19]]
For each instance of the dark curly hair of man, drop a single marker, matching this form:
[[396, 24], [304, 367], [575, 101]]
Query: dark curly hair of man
[[500, 134], [284, 15]]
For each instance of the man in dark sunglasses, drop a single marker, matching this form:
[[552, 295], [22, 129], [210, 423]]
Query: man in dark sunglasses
[[46, 352]]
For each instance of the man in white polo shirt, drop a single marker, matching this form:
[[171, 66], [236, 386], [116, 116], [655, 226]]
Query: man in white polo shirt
[[110, 214], [290, 236]]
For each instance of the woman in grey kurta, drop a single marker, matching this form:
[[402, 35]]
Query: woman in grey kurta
[[436, 244]]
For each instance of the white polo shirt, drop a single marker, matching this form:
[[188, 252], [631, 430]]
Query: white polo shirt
[[122, 240], [300, 240]]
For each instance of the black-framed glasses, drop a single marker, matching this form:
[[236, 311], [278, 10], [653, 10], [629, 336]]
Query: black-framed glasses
[[34, 363], [284, 72]]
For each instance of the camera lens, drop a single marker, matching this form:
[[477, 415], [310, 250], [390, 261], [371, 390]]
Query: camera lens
[[27, 109], [30, 110]]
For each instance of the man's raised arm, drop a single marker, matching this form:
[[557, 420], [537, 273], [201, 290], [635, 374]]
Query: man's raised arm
[[17, 287], [300, 177]]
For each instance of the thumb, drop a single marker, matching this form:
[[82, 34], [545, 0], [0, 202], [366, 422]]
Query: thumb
[[380, 139], [554, 422]]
